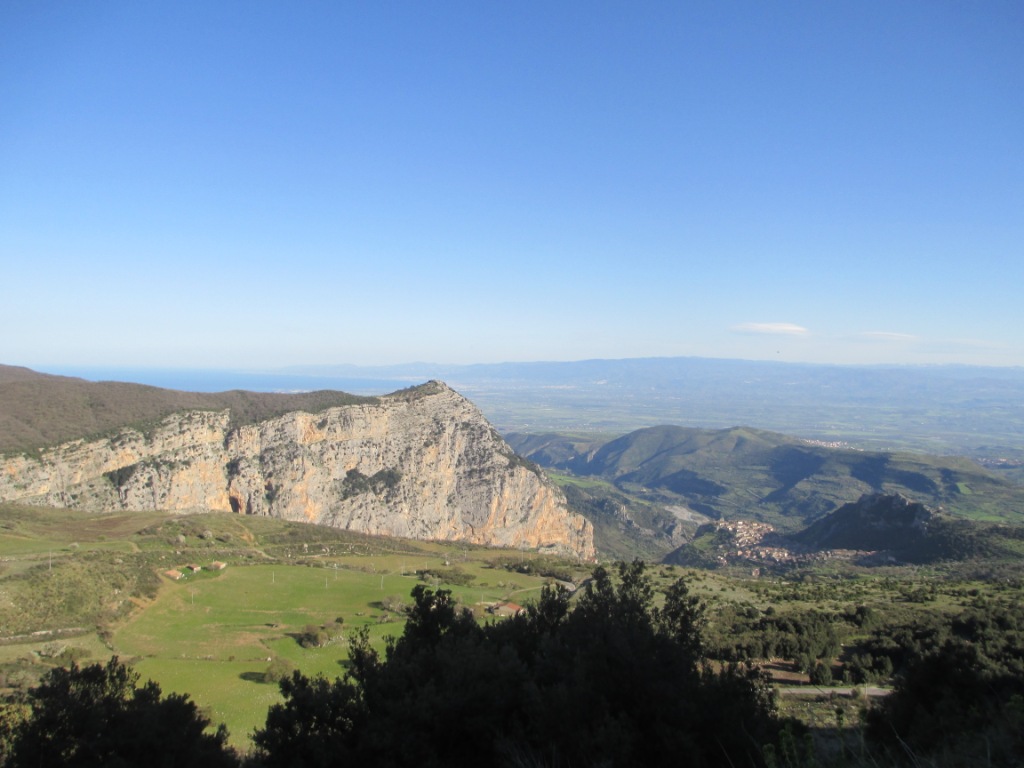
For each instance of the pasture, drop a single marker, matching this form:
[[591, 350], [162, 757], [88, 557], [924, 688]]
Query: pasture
[[213, 634], [82, 587], [76, 587]]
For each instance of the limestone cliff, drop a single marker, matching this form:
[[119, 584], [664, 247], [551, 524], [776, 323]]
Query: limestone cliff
[[422, 463]]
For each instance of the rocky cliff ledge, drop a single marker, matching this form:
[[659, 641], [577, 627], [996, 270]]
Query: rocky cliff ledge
[[421, 463]]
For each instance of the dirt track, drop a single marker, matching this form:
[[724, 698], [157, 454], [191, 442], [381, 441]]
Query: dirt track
[[814, 690]]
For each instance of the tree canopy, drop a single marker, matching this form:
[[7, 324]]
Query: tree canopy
[[614, 681], [98, 715]]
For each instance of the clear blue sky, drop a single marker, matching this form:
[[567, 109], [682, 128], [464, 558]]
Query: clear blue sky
[[255, 184]]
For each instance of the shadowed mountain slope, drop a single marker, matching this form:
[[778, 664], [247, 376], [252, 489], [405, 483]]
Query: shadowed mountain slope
[[743, 473], [909, 532]]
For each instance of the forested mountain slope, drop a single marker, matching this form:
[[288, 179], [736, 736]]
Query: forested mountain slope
[[744, 473]]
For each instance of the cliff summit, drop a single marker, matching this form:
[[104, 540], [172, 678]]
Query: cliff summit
[[420, 463]]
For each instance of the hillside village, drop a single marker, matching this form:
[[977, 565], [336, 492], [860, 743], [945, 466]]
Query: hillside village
[[759, 544]]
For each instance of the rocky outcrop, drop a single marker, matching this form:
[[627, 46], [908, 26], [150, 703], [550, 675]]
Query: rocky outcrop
[[421, 463]]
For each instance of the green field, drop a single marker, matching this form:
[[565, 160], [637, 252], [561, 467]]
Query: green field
[[92, 586], [213, 637], [83, 587]]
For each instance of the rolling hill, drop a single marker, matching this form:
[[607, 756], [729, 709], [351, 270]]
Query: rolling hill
[[909, 531], [749, 474], [877, 529]]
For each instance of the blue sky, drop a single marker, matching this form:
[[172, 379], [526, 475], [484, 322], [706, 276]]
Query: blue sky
[[255, 184]]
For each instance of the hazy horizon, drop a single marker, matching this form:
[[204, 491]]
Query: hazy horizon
[[329, 368], [938, 409]]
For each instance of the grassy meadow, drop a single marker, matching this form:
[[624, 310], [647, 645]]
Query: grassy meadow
[[82, 587], [213, 635]]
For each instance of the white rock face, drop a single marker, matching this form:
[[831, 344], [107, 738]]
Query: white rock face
[[423, 464]]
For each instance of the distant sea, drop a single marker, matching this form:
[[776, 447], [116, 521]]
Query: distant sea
[[202, 380]]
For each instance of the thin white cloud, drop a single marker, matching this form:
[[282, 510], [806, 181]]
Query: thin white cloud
[[771, 329]]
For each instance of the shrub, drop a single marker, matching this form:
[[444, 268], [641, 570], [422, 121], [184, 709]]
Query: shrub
[[98, 715], [821, 674], [278, 670], [615, 681]]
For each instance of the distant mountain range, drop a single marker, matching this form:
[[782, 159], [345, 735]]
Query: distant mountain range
[[646, 492], [972, 411]]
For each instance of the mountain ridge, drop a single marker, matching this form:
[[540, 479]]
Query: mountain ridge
[[942, 409], [747, 474], [39, 410]]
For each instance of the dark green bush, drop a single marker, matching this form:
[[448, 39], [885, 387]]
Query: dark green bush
[[615, 681]]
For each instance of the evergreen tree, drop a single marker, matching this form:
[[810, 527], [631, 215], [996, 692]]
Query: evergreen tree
[[99, 716], [613, 681]]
